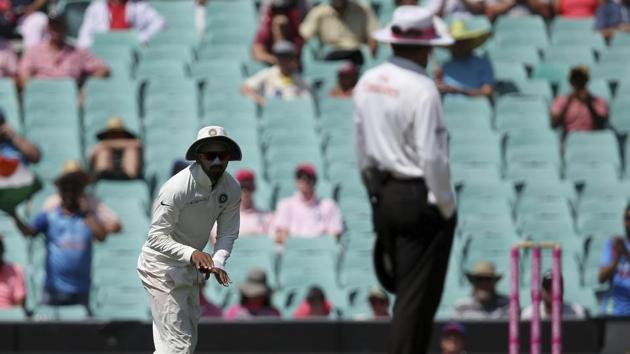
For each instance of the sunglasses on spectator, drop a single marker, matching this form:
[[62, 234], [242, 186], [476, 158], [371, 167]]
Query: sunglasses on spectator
[[211, 155]]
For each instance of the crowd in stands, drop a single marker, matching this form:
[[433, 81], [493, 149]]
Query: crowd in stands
[[293, 40]]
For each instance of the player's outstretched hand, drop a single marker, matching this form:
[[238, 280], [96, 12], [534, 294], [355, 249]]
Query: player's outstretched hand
[[202, 261], [222, 276]]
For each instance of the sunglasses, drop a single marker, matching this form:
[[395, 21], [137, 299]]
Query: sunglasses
[[211, 155]]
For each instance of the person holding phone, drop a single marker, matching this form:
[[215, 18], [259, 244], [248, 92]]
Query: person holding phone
[[615, 270]]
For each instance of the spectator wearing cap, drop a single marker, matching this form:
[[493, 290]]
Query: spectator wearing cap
[[484, 303], [304, 214], [116, 15], [453, 339], [281, 81], [569, 310], [580, 110], [255, 298], [12, 288], [614, 270], [55, 58], [613, 17], [118, 155], [575, 8], [342, 26], [69, 230], [253, 220], [280, 22], [347, 78], [315, 305], [14, 146], [466, 73], [379, 303], [93, 205], [8, 60]]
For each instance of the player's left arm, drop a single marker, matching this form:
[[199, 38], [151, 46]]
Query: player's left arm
[[228, 224]]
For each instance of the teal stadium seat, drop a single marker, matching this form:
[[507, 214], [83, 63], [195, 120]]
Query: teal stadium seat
[[175, 36], [163, 69], [571, 25], [525, 172], [534, 87], [612, 72], [9, 102], [554, 73], [122, 40], [527, 30], [597, 87], [571, 54], [515, 112], [620, 40], [614, 55], [581, 173], [509, 71], [514, 53], [60, 313], [172, 52], [591, 39]]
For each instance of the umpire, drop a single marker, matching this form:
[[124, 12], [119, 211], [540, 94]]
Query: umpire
[[401, 144]]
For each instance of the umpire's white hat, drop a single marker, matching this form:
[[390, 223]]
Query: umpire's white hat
[[210, 134]]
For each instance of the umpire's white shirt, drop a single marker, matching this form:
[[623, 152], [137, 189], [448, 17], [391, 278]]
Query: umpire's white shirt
[[399, 127], [186, 209]]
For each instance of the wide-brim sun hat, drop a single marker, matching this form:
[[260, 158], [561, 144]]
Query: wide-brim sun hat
[[461, 32], [115, 125], [214, 133], [72, 172], [483, 269], [415, 25]]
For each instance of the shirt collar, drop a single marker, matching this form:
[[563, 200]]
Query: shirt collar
[[314, 201], [202, 178], [407, 64]]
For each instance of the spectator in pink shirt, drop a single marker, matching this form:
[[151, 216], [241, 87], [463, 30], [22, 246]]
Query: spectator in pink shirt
[[8, 60], [304, 214], [280, 22], [55, 58], [315, 305], [12, 289], [254, 222], [579, 110], [255, 298]]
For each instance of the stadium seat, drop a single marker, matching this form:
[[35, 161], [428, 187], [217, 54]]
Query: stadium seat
[[509, 71], [12, 314], [117, 39], [225, 51], [177, 14], [60, 313], [534, 87], [614, 55], [9, 103], [620, 115], [620, 40], [524, 172], [462, 173], [483, 190], [604, 141], [591, 39], [526, 30], [527, 55], [612, 72], [472, 106], [515, 112], [551, 188], [571, 25], [554, 73], [584, 172], [172, 52], [532, 139], [571, 54], [175, 36], [162, 69]]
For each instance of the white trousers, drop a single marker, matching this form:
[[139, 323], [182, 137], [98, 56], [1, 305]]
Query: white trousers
[[174, 298]]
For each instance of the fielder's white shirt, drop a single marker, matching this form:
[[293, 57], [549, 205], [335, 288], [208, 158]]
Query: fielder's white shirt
[[187, 207], [399, 128]]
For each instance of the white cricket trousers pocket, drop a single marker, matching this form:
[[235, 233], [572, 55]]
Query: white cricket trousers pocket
[[175, 309]]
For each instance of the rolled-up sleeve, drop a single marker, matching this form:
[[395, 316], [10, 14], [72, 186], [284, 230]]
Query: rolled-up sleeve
[[431, 138], [165, 218], [228, 224]]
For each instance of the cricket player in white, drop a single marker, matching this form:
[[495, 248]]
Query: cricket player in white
[[172, 264]]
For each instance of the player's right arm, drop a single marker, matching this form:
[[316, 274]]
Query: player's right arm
[[165, 217]]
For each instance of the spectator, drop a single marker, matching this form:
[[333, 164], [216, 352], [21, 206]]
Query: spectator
[[255, 298], [405, 2], [466, 73], [302, 5], [55, 58], [484, 303], [343, 26], [280, 22], [282, 81], [69, 231], [95, 206], [14, 146], [25, 17], [347, 78], [575, 8], [116, 15], [612, 17], [12, 288], [304, 214], [315, 305], [17, 183], [379, 303], [179, 165], [208, 309], [580, 110], [118, 155], [253, 220], [8, 60], [569, 310], [453, 339], [614, 269]]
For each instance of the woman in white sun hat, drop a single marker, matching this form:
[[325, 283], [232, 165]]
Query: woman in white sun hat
[[172, 264], [401, 151]]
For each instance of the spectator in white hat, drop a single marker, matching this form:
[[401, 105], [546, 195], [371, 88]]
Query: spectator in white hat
[[172, 263], [401, 152], [281, 81]]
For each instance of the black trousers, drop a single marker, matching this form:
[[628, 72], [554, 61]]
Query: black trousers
[[418, 240]]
